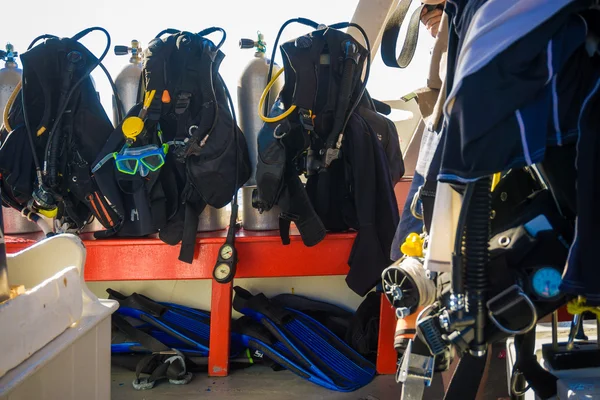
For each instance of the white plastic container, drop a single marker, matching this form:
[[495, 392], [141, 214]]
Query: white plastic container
[[571, 383], [444, 222], [75, 364]]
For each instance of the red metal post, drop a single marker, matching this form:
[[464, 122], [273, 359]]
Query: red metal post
[[220, 328], [386, 354]]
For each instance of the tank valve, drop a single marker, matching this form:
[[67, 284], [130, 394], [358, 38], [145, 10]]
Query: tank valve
[[135, 50], [260, 44], [9, 55]]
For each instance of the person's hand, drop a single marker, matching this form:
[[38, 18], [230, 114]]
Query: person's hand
[[431, 20]]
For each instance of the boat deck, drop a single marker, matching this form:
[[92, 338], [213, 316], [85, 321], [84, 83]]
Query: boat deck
[[261, 383]]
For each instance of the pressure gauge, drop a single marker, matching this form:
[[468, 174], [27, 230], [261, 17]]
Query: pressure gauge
[[545, 282], [224, 272], [226, 252]]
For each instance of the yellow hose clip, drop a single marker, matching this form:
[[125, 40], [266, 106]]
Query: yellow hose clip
[[495, 180], [261, 103], [412, 246], [132, 127], [577, 306], [49, 213], [148, 97]]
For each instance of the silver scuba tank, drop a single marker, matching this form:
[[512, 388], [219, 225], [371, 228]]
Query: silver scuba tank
[[10, 76], [128, 80], [251, 85], [127, 85]]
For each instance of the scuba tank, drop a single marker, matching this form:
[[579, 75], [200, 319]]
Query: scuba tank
[[251, 84], [10, 76], [213, 219], [128, 80]]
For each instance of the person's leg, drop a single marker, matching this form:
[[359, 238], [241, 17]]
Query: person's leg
[[408, 223]]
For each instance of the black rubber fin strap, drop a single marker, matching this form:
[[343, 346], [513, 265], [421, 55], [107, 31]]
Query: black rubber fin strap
[[392, 31], [244, 300], [137, 335], [137, 302]]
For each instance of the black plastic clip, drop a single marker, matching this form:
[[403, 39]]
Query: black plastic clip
[[306, 120]]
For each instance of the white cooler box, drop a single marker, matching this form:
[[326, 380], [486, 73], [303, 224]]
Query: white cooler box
[[572, 384], [55, 337]]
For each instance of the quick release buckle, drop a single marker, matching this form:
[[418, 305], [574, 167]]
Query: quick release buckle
[[507, 300], [183, 102], [415, 366], [306, 119]]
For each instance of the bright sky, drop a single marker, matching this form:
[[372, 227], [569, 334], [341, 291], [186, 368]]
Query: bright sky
[[126, 20]]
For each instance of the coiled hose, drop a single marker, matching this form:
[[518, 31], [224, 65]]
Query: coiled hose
[[477, 257]]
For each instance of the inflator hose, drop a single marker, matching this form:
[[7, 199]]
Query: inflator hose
[[477, 257]]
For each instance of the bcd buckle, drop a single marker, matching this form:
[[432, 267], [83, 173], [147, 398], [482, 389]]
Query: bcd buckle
[[415, 366], [506, 300], [306, 120]]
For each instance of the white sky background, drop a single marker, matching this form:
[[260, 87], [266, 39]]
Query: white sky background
[[142, 20]]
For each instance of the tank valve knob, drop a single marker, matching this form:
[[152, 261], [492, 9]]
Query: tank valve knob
[[121, 50], [135, 50], [10, 54], [247, 44]]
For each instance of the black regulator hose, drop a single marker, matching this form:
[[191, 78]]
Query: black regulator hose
[[477, 258]]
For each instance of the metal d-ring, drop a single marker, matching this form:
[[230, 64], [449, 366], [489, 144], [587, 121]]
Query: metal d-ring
[[278, 136], [513, 384], [413, 204], [520, 296], [191, 129]]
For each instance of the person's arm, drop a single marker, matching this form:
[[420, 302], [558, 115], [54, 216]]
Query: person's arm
[[431, 19]]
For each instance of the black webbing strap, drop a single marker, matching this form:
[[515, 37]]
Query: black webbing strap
[[427, 197], [466, 378], [190, 228], [391, 32], [542, 382], [137, 335]]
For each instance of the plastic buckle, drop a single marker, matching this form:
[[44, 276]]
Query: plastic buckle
[[183, 102], [415, 366], [506, 300], [306, 119]]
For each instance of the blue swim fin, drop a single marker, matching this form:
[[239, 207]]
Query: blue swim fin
[[183, 328], [302, 344]]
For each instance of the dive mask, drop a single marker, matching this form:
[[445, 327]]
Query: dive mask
[[143, 159]]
